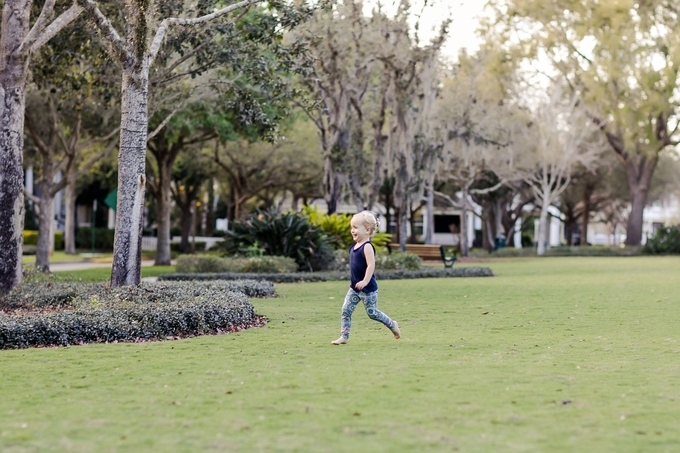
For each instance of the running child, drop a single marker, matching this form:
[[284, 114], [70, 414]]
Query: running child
[[363, 286]]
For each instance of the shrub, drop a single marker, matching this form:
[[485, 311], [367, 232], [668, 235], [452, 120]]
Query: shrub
[[31, 238], [290, 235], [298, 277], [199, 246], [69, 313], [398, 260], [103, 238], [665, 241], [211, 263], [336, 226]]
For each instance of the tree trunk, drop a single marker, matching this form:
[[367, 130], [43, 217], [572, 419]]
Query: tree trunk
[[637, 206], [464, 246], [585, 215], [45, 224], [185, 223], [70, 226], [163, 205], [332, 190], [429, 210], [543, 231], [639, 180], [403, 222], [15, 23], [127, 246]]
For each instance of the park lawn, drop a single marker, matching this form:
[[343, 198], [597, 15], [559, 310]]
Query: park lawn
[[97, 274], [551, 355], [59, 256]]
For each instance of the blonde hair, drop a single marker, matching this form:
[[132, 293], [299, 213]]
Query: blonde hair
[[371, 221]]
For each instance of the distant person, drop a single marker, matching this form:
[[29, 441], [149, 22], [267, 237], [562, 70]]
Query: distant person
[[363, 286]]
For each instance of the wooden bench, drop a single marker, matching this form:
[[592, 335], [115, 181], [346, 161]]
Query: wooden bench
[[430, 252]]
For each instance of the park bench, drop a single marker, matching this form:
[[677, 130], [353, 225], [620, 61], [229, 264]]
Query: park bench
[[430, 252]]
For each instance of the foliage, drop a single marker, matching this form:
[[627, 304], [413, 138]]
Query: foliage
[[67, 313], [198, 246], [290, 235], [589, 250], [103, 238], [665, 241], [31, 238], [300, 277], [188, 264], [398, 260], [336, 226]]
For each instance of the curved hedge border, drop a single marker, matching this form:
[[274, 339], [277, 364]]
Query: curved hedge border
[[333, 276], [60, 314]]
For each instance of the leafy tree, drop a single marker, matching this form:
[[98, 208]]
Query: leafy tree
[[622, 59], [18, 41], [73, 87], [137, 51]]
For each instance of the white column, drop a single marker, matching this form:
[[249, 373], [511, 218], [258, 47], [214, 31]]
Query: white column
[[518, 233], [555, 224]]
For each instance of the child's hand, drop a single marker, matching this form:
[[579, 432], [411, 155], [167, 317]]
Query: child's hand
[[360, 285]]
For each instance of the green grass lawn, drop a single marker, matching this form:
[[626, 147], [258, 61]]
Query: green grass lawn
[[551, 355], [59, 256], [96, 274]]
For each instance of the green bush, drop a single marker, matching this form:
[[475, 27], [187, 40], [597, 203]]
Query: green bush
[[336, 226], [200, 246], [31, 238], [103, 238], [70, 313], [211, 263], [48, 314], [290, 235], [427, 272], [665, 241], [398, 260]]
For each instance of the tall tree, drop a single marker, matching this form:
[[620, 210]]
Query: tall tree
[[18, 41], [623, 59], [560, 136], [146, 27]]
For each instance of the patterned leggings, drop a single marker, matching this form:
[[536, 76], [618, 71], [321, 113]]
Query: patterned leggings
[[370, 301]]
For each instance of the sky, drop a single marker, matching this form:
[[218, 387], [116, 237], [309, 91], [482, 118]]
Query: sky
[[462, 30]]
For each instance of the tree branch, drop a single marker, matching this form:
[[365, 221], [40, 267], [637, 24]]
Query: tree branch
[[56, 26], [164, 123], [163, 28], [96, 158], [104, 25]]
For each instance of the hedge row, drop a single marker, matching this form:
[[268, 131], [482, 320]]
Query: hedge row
[[60, 314], [189, 264], [333, 276], [69, 294]]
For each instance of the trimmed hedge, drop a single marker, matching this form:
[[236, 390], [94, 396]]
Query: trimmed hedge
[[188, 264], [60, 314], [336, 275], [587, 250]]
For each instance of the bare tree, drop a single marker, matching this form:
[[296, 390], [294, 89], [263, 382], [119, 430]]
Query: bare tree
[[560, 137]]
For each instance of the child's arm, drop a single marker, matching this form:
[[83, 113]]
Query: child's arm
[[370, 267]]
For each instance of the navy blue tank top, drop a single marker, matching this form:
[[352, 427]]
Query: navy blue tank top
[[357, 268]]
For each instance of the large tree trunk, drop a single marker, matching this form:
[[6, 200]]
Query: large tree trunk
[[15, 22], [403, 223], [70, 226], [332, 189], [639, 180], [543, 231], [163, 206], [127, 246], [45, 225]]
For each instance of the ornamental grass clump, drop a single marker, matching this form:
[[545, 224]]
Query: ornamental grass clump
[[54, 314]]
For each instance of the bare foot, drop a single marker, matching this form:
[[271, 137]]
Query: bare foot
[[396, 331], [340, 340]]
